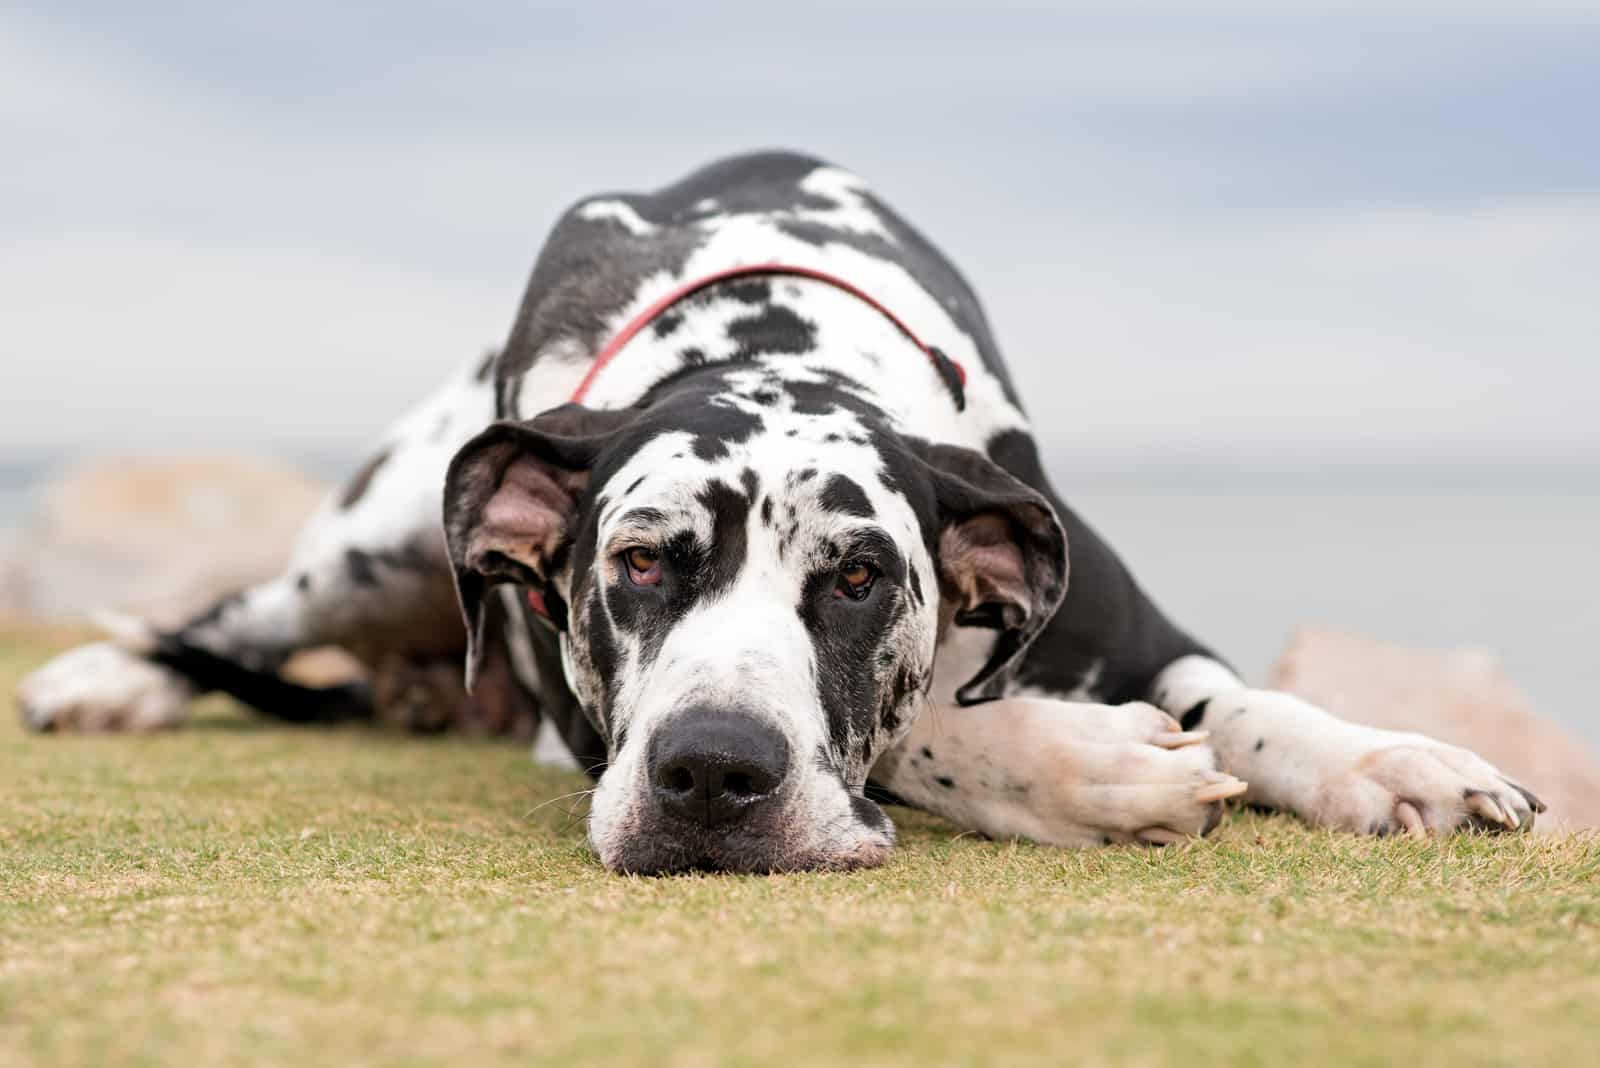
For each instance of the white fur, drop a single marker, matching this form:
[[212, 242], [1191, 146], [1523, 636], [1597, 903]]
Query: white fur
[[619, 212], [102, 686]]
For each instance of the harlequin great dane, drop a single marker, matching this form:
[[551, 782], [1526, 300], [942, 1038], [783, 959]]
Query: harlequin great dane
[[748, 511]]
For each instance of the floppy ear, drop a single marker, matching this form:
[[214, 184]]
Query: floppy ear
[[511, 502], [1002, 556]]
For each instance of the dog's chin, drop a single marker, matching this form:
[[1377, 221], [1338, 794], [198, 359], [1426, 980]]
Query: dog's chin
[[661, 847]]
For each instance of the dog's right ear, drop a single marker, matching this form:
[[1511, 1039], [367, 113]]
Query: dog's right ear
[[511, 501]]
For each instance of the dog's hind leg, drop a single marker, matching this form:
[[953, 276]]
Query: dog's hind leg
[[369, 573]]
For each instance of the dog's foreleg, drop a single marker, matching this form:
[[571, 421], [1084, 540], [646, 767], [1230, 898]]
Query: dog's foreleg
[[1057, 772], [1334, 773]]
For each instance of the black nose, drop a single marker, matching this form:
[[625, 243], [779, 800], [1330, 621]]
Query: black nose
[[713, 767]]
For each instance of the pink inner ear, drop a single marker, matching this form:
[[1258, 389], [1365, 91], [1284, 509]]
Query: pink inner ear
[[526, 518], [983, 562]]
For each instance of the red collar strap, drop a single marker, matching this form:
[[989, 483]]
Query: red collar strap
[[951, 373]]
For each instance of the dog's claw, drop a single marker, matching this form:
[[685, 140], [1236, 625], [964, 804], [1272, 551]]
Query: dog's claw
[[1529, 796], [1410, 819], [1221, 788], [1485, 807]]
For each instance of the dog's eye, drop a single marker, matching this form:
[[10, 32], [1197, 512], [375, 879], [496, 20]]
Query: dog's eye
[[855, 580], [643, 566]]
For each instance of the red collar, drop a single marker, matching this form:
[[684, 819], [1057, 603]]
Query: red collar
[[951, 373]]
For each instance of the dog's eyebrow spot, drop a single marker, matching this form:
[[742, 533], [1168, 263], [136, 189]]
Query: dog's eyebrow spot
[[642, 517], [843, 494]]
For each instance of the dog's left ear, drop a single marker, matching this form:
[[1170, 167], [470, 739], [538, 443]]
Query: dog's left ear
[[511, 503], [1002, 556]]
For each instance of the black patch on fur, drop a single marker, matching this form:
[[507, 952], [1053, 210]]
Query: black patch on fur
[[303, 583], [747, 479], [720, 429], [774, 329], [927, 752], [766, 511], [357, 486], [868, 813], [214, 612], [360, 567], [746, 290], [1191, 719], [946, 781], [730, 516], [666, 323], [263, 690], [847, 635], [485, 366], [1261, 743], [636, 484], [604, 653], [842, 494]]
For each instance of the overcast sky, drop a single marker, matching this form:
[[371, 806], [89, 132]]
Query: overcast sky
[[1369, 225]]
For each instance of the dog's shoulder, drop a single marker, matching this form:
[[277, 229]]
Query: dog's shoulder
[[612, 252]]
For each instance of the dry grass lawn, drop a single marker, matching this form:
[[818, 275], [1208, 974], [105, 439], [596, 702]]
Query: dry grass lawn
[[244, 893]]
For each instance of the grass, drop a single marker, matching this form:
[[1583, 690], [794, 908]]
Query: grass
[[240, 893]]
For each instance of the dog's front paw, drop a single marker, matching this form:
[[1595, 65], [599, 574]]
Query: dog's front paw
[[1142, 792], [1420, 787], [102, 687]]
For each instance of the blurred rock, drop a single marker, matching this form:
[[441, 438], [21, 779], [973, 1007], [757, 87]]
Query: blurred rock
[[1459, 696], [160, 537]]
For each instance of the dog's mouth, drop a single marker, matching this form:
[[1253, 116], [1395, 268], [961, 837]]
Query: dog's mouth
[[691, 860], [667, 847]]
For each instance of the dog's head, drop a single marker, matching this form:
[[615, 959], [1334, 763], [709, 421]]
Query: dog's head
[[750, 576]]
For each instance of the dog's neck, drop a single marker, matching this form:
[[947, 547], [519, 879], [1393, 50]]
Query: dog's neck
[[732, 337]]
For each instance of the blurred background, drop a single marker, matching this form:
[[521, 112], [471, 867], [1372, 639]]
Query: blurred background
[[1305, 306]]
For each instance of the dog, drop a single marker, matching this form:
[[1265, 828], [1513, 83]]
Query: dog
[[748, 513]]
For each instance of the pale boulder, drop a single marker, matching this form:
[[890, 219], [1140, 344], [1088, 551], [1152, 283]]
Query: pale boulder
[[159, 537]]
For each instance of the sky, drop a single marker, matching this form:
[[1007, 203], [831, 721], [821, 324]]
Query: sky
[[1361, 227]]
